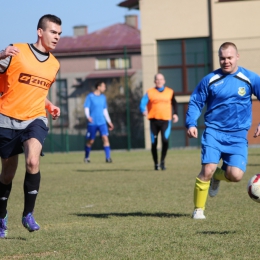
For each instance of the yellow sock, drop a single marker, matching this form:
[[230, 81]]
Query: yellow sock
[[219, 174], [201, 193]]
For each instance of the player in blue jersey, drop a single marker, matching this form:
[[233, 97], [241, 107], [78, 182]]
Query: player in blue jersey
[[95, 106], [227, 93]]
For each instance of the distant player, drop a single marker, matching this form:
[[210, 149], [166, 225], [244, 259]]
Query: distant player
[[27, 71], [96, 112], [160, 106], [227, 93]]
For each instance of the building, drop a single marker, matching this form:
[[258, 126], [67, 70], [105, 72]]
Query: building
[[112, 54], [181, 38]]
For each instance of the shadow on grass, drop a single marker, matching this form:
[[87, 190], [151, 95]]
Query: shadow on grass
[[63, 162], [254, 164], [133, 214], [15, 238], [216, 232], [105, 170]]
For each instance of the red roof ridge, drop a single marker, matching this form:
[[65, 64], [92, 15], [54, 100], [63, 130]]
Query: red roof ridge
[[112, 37]]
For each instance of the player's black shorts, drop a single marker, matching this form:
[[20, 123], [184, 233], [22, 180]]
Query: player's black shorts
[[163, 126], [11, 141]]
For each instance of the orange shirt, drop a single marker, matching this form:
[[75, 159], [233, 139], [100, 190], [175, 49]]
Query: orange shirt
[[160, 104], [25, 84]]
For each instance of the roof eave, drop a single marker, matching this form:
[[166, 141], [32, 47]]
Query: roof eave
[[74, 53], [130, 4]]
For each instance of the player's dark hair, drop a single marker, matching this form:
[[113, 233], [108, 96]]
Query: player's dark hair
[[98, 83], [225, 45], [48, 18]]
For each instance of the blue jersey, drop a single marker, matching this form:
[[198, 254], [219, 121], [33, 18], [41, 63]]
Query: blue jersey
[[228, 100], [96, 105]]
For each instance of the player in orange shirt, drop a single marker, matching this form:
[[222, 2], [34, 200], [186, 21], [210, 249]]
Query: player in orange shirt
[[157, 105], [27, 71]]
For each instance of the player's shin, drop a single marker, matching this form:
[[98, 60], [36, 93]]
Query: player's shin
[[154, 153], [219, 174], [107, 151], [31, 188], [4, 195], [201, 193], [87, 151]]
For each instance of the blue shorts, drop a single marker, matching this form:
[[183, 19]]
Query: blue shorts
[[92, 130], [11, 141], [230, 148]]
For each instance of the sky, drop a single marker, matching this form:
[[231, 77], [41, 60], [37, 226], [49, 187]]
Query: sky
[[19, 18]]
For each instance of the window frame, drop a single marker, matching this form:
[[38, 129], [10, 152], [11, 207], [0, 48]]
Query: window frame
[[184, 66], [116, 60]]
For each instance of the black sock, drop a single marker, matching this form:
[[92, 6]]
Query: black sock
[[4, 195], [31, 187]]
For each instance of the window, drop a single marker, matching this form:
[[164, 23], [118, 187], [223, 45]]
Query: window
[[183, 62], [112, 63], [62, 102]]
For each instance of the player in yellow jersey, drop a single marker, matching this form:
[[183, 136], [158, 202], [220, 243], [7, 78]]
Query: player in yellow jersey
[[27, 71]]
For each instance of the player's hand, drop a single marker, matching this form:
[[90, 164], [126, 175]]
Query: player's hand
[[257, 131], [54, 111], [192, 132], [11, 51], [145, 113], [110, 126], [90, 119], [175, 118]]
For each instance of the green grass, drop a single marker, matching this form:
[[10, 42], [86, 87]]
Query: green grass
[[126, 210]]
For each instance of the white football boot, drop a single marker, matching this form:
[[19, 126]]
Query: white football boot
[[198, 213]]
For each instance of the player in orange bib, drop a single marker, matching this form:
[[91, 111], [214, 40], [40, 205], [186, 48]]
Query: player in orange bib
[[27, 71], [157, 105]]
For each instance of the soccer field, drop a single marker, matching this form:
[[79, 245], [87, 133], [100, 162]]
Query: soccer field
[[126, 210]]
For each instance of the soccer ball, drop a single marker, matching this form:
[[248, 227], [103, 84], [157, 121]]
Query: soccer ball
[[253, 188]]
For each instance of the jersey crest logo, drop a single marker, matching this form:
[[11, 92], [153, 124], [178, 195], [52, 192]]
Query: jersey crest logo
[[241, 91]]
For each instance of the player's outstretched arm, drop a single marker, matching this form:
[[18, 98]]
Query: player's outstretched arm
[[52, 109], [192, 132]]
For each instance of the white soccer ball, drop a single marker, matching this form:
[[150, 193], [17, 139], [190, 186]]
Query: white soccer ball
[[253, 188]]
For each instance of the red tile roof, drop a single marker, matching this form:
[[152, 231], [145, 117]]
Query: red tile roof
[[111, 38]]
